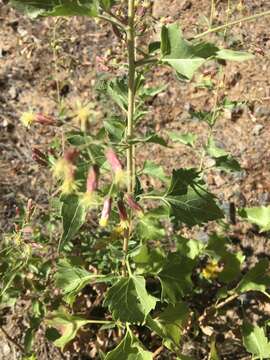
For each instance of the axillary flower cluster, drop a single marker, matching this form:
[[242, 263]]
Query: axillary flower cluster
[[64, 169]]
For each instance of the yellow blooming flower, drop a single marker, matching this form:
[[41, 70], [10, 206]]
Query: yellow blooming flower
[[69, 186], [211, 270], [61, 168], [103, 222], [28, 118], [120, 178], [83, 113], [90, 200]]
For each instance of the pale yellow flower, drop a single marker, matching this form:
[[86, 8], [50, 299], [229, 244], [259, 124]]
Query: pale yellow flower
[[90, 200], [61, 168], [28, 118], [83, 114], [69, 186]]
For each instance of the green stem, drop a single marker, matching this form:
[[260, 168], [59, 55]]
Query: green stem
[[131, 166], [131, 92], [235, 22]]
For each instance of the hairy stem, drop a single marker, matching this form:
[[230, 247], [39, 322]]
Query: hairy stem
[[131, 107], [229, 24], [131, 92]]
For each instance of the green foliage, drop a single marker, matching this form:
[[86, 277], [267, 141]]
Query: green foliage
[[255, 341], [67, 324], [187, 199], [130, 348], [131, 256], [129, 301], [73, 214], [34, 8], [258, 215]]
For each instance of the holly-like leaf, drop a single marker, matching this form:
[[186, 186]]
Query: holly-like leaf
[[150, 138], [150, 228], [255, 341], [73, 217], [259, 216], [34, 8], [67, 325], [182, 55], [129, 301], [256, 279], [148, 261], [187, 199], [188, 139], [223, 160], [175, 277], [72, 279], [129, 348]]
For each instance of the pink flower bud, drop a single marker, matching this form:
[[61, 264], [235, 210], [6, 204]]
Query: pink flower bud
[[71, 154], [113, 160], [44, 119], [17, 211], [122, 211], [92, 179], [107, 207], [134, 205]]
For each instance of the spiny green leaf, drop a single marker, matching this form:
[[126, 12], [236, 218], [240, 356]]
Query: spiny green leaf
[[258, 215], [182, 55], [73, 217], [255, 341], [129, 348], [129, 301], [255, 279], [67, 324], [150, 228], [187, 199], [175, 277], [72, 279]]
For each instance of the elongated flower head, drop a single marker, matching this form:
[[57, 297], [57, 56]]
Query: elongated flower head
[[44, 119], [71, 155], [134, 205], [124, 224], [120, 176], [92, 179], [106, 211]]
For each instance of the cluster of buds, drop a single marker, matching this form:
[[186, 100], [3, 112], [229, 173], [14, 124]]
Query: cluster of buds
[[120, 177], [64, 169], [90, 198], [30, 117]]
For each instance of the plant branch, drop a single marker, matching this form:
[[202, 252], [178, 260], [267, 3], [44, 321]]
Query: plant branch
[[229, 24]]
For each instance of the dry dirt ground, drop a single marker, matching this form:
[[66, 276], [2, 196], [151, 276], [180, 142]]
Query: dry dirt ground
[[28, 80]]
